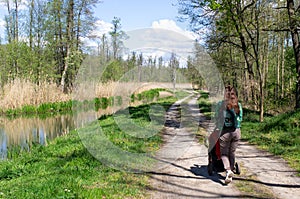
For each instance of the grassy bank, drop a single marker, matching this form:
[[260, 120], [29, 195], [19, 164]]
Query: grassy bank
[[51, 108], [66, 169], [205, 105], [278, 134]]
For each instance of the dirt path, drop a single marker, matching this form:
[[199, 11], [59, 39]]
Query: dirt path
[[182, 172], [269, 172]]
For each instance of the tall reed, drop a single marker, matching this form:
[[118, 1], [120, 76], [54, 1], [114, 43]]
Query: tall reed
[[20, 92]]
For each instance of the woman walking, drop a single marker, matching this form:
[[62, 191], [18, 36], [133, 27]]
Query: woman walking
[[228, 116]]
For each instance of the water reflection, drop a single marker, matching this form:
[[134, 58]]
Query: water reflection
[[21, 133]]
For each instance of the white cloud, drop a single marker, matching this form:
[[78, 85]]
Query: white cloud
[[2, 28], [171, 25], [157, 41], [164, 32], [166, 24], [102, 27], [2, 23]]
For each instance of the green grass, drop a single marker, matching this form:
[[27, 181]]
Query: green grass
[[205, 105], [43, 109], [180, 94], [279, 134], [146, 96], [66, 169]]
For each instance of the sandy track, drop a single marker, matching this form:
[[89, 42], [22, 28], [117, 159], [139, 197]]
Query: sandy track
[[182, 171], [271, 172]]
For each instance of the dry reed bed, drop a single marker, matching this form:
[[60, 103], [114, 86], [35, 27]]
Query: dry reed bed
[[23, 92], [20, 92]]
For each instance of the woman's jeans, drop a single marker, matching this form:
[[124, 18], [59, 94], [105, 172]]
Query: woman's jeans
[[229, 141]]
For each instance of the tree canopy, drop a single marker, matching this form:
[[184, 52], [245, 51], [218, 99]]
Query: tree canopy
[[251, 42]]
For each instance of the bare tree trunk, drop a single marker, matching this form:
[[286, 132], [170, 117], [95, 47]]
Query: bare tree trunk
[[16, 20], [70, 25], [278, 69], [282, 66], [64, 74], [256, 43], [266, 61], [296, 46], [31, 24], [9, 22], [245, 85]]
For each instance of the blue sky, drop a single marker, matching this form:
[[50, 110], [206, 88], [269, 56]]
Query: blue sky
[[134, 14], [138, 13]]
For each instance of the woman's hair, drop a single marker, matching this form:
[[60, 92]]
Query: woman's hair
[[231, 99]]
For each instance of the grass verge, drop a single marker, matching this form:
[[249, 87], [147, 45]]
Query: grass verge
[[205, 106], [66, 169], [279, 135]]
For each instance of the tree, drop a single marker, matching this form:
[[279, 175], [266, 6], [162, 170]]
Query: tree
[[11, 20], [52, 30], [35, 31], [69, 43], [140, 61], [193, 65], [238, 24], [67, 22], [117, 37], [174, 65], [257, 29], [294, 24], [12, 30]]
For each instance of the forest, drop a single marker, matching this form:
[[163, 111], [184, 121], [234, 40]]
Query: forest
[[254, 43]]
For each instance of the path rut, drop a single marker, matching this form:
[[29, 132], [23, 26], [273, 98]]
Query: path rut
[[182, 168]]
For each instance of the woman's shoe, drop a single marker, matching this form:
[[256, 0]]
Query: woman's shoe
[[229, 175]]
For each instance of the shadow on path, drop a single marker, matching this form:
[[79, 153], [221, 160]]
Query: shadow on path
[[199, 192], [180, 177], [201, 170], [200, 173]]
